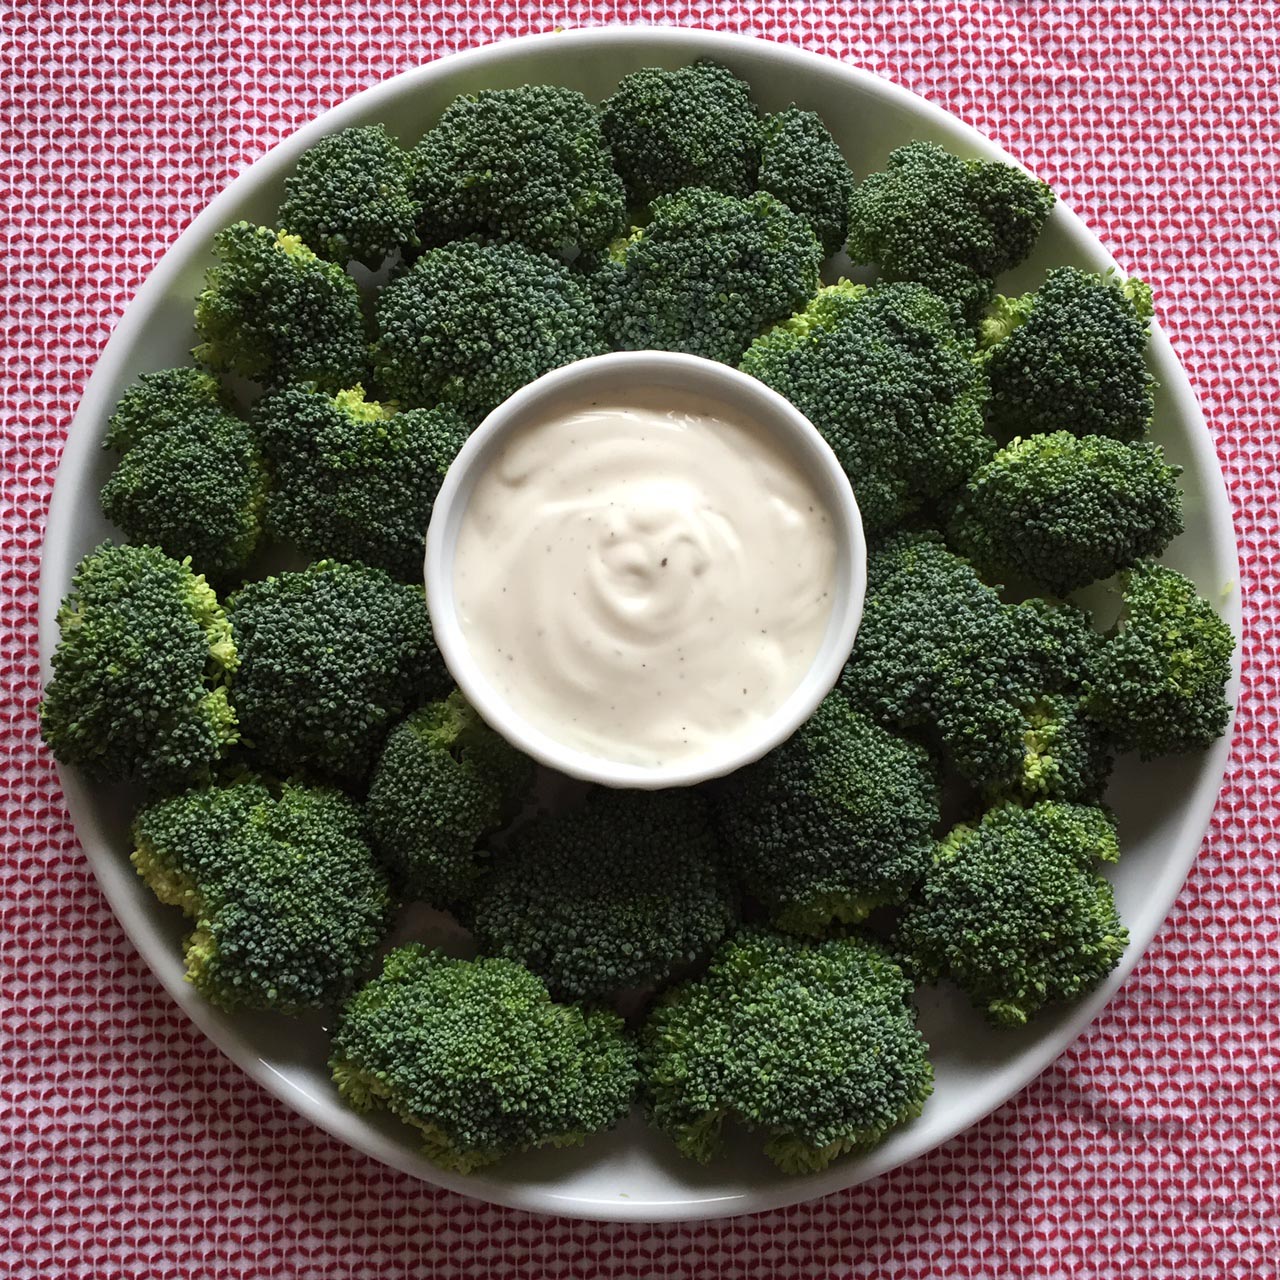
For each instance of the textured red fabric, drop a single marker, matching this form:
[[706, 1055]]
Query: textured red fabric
[[131, 1148]]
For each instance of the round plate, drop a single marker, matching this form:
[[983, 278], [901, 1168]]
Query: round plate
[[1163, 808]]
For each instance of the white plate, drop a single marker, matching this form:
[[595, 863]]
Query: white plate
[[1163, 809]]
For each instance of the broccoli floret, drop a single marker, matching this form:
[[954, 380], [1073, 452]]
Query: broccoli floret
[[274, 312], [354, 479], [833, 823], [444, 780], [140, 671], [618, 893], [478, 1059], [1013, 912], [288, 903], [351, 196], [472, 323], [801, 164], [695, 127], [330, 658], [888, 380], [815, 1045], [527, 164], [190, 478], [1157, 683], [1071, 357], [1067, 754], [945, 222]]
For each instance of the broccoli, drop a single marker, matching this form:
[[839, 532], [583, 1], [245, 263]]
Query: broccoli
[[1013, 912], [274, 312], [947, 223], [330, 658], [618, 893], [695, 127], [833, 823], [475, 1056], [351, 197], [140, 671], [815, 1045], [288, 903], [354, 479], [1071, 357], [801, 164], [444, 780], [527, 164], [190, 478], [890, 383]]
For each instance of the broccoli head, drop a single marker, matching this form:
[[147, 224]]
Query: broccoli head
[[801, 164]]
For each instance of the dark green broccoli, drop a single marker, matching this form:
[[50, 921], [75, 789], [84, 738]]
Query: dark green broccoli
[[815, 1045], [947, 223], [833, 823], [1067, 754], [695, 127], [618, 893], [801, 164], [1013, 912], [445, 779], [288, 903], [888, 380], [351, 196], [274, 312], [478, 1059], [140, 671]]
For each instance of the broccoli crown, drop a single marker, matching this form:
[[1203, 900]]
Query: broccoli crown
[[288, 903], [1064, 510], [274, 312], [948, 223], [329, 659], [444, 780], [527, 164], [476, 1056], [190, 478], [351, 196], [618, 893], [890, 383], [815, 1045], [1071, 357], [801, 164], [695, 127], [833, 823], [354, 479], [1158, 682], [1013, 912], [472, 323], [1067, 754], [140, 671], [707, 274]]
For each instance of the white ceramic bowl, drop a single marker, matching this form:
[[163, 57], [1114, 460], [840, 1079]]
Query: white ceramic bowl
[[1163, 808]]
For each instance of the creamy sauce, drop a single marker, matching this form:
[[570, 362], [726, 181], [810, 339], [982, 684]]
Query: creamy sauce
[[644, 582]]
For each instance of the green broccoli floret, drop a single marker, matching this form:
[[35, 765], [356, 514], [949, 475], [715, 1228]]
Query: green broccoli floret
[[444, 781], [618, 893], [801, 164], [1157, 684], [695, 127], [888, 380], [274, 312], [1071, 357], [288, 903], [478, 1059], [832, 824], [1067, 754], [190, 478], [1062, 510], [815, 1045], [351, 196], [1013, 912], [354, 479], [140, 671], [527, 164], [472, 323], [947, 223], [330, 658]]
